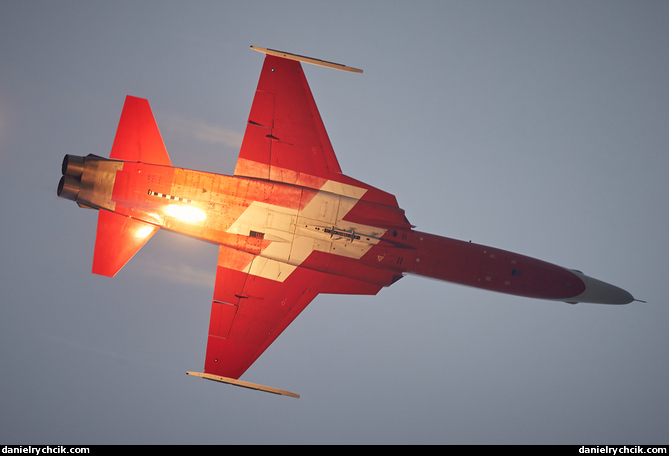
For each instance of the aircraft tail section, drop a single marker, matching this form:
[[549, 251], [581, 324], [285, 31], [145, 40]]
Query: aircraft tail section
[[137, 137], [117, 240]]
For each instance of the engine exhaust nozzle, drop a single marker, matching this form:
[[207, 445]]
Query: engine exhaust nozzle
[[73, 166], [68, 188]]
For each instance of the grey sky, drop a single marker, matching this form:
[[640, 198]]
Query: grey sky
[[537, 127]]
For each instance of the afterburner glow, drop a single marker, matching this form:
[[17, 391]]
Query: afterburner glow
[[188, 214]]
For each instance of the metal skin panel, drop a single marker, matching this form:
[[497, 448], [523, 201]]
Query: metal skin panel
[[289, 224]]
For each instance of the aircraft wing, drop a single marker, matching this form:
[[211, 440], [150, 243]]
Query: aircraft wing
[[249, 311], [256, 298], [285, 139]]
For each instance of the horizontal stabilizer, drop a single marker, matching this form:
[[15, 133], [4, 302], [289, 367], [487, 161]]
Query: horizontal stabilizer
[[137, 137], [232, 381], [118, 238]]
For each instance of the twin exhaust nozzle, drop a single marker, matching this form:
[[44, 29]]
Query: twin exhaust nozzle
[[69, 185]]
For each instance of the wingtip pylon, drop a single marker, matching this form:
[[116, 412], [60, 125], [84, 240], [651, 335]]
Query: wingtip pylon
[[305, 59]]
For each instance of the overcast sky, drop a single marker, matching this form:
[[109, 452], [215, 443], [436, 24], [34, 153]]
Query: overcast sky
[[540, 127]]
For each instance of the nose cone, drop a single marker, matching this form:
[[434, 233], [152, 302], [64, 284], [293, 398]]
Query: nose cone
[[599, 292]]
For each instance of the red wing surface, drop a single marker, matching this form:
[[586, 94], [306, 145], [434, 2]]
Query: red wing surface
[[285, 136], [285, 139], [249, 311]]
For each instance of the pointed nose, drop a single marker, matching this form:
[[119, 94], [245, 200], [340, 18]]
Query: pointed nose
[[599, 292]]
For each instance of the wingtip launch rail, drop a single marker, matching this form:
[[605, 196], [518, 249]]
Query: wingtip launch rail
[[243, 384], [304, 59]]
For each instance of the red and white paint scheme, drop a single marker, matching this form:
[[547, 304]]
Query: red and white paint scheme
[[289, 223]]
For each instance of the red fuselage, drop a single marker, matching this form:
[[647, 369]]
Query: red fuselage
[[330, 230]]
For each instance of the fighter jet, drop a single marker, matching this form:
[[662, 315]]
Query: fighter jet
[[289, 223]]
